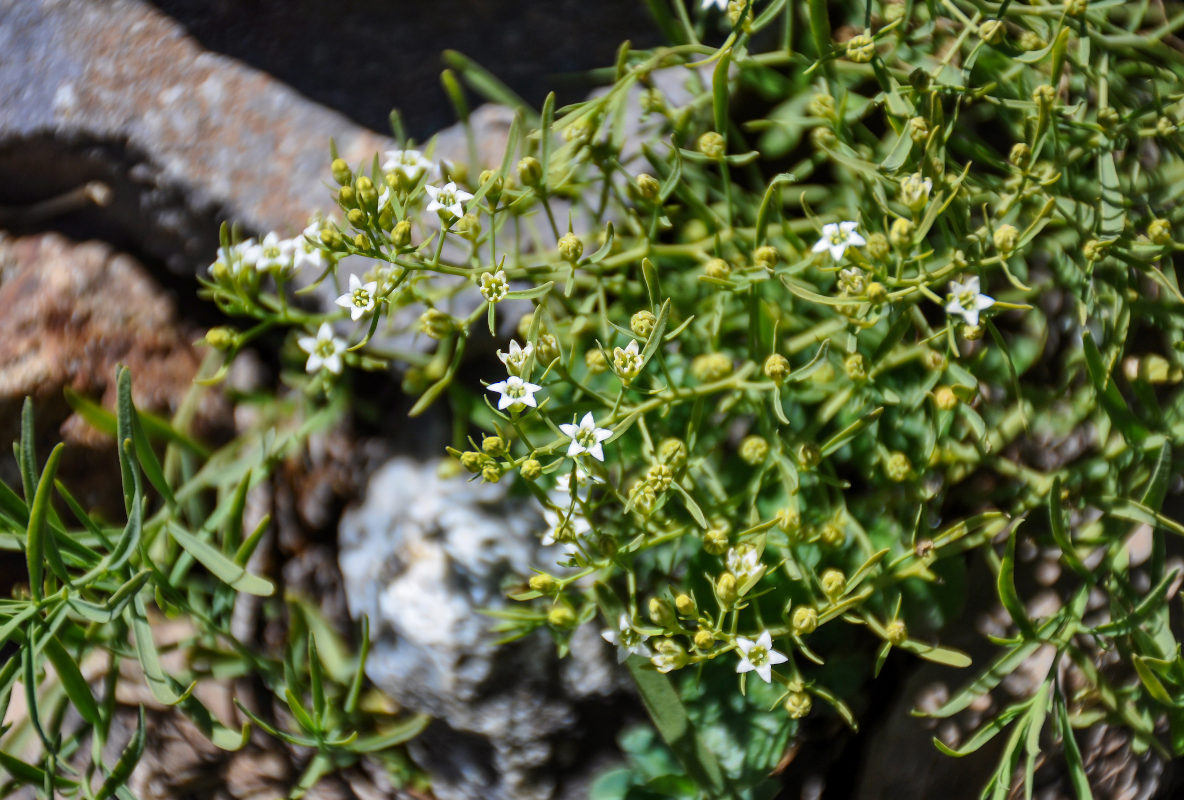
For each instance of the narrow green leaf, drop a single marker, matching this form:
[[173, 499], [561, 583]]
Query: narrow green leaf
[[26, 452], [851, 431], [128, 759], [160, 684], [149, 462], [124, 433], [221, 566], [1061, 535], [38, 530], [530, 294], [1152, 683], [72, 681], [984, 734], [1108, 394], [766, 207], [485, 84], [386, 738], [1005, 586], [719, 92], [1076, 768], [606, 248]]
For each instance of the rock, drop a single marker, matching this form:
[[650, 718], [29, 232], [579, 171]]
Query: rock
[[422, 557]]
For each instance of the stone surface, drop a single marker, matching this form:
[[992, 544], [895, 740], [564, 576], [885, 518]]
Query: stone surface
[[422, 557]]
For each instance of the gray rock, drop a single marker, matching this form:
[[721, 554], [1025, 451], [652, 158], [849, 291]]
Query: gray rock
[[422, 557]]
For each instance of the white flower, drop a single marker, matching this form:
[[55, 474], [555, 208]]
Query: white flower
[[410, 164], [514, 390], [449, 198], [759, 656], [586, 437], [837, 237], [494, 286], [234, 258], [914, 191], [722, 5], [564, 515], [627, 362], [629, 640], [744, 562], [966, 300], [515, 359], [273, 254], [360, 298], [324, 350]]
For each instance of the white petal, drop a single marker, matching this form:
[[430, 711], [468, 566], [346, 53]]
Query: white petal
[[837, 250], [766, 673], [568, 429], [528, 400], [820, 246], [504, 402], [983, 301], [954, 308], [500, 386], [596, 451], [971, 316], [325, 332], [574, 449], [602, 434], [972, 284], [855, 240], [776, 658], [314, 363], [356, 313], [333, 363], [846, 228], [354, 283], [764, 640], [744, 645], [588, 421], [307, 343], [745, 665]]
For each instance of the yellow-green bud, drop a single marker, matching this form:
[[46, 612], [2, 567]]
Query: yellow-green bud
[[944, 398], [436, 324], [659, 476], [822, 105], [754, 450], [367, 194], [914, 191], [221, 338], [704, 639], [834, 583], [1108, 119], [331, 238], [855, 365], [685, 604], [491, 473], [1020, 154], [1006, 238], [642, 324], [401, 235], [468, 227], [809, 455], [652, 100], [798, 704], [805, 620], [347, 197], [776, 367], [531, 469], [546, 348], [1095, 249], [934, 360], [1159, 231], [896, 632], [579, 132], [901, 232], [712, 145], [530, 171], [823, 137], [715, 541], [543, 583], [492, 177], [356, 217], [672, 452], [648, 187], [877, 247], [789, 520], [671, 654], [1044, 94], [561, 617], [341, 171], [972, 333], [473, 461], [595, 361], [766, 257], [1030, 40], [661, 613], [1076, 8], [861, 48], [725, 589], [494, 446], [898, 467], [717, 268], [711, 367], [918, 129], [877, 293], [991, 30], [832, 535], [570, 248], [361, 242]]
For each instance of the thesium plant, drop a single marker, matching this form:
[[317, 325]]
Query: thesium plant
[[816, 311]]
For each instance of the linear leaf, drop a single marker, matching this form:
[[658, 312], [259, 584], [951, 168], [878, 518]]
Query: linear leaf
[[224, 568]]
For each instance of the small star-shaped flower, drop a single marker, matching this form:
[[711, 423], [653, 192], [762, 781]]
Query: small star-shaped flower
[[515, 359], [627, 362], [967, 301], [360, 298], [629, 640], [586, 438], [409, 164], [837, 237], [722, 5], [759, 656], [449, 198], [514, 390], [273, 254], [324, 350]]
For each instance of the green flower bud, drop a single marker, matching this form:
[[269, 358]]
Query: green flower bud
[[642, 324], [822, 105], [491, 473], [530, 470], [401, 235], [972, 333], [1044, 95], [861, 48], [809, 455], [1020, 154], [473, 461], [570, 248], [832, 535], [1159, 231], [1095, 249], [715, 541], [595, 361], [494, 446], [561, 617], [901, 233], [766, 257], [436, 324], [341, 171], [789, 520], [652, 101], [877, 248], [685, 604], [331, 238], [1108, 119], [544, 583], [712, 145], [918, 129], [492, 177], [717, 268], [670, 655], [834, 583], [711, 367], [914, 191], [1030, 40], [805, 620], [661, 613], [672, 452], [1075, 8], [898, 467], [468, 227], [896, 632], [221, 338], [356, 217], [754, 450], [798, 704], [944, 398], [530, 171], [1006, 238], [777, 367], [991, 31], [823, 138], [855, 365], [648, 187], [546, 348], [659, 476], [704, 639], [725, 589], [877, 293]]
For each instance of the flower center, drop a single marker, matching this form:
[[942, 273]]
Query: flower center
[[361, 298], [966, 299], [326, 348], [758, 656], [515, 389], [630, 638], [586, 437], [838, 238]]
